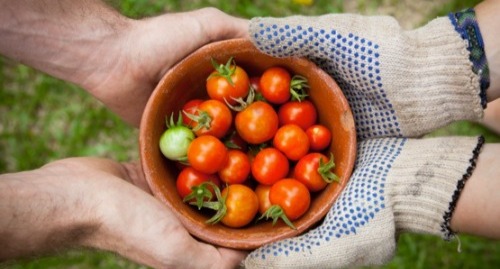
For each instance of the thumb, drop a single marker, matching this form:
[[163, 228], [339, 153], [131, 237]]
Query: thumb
[[318, 36], [190, 31], [217, 25], [284, 37]]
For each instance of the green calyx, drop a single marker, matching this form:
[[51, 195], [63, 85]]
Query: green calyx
[[325, 170], [199, 194], [298, 88], [228, 142], [275, 212], [171, 123], [202, 119], [219, 205], [242, 104], [231, 145], [224, 70]]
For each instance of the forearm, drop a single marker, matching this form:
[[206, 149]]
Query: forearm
[[477, 210], [488, 20], [40, 212], [64, 38]]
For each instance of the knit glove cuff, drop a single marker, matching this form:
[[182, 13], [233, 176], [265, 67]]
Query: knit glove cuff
[[424, 186], [399, 83]]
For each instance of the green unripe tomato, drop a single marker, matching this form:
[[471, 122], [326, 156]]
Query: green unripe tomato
[[174, 142]]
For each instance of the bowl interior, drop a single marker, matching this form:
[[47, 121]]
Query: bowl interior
[[187, 81]]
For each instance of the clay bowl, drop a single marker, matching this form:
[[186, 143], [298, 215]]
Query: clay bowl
[[186, 81]]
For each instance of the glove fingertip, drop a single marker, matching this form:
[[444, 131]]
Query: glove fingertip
[[270, 36]]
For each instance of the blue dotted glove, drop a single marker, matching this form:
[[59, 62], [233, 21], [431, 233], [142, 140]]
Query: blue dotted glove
[[398, 83], [399, 185]]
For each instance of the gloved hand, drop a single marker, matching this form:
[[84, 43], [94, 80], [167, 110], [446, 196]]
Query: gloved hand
[[399, 185], [398, 83]]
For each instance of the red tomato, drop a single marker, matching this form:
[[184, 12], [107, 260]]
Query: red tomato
[[255, 83], [303, 113], [269, 166], [227, 82], [315, 174], [319, 137], [190, 107], [257, 123], [262, 192], [292, 141], [242, 205], [207, 154], [213, 118], [236, 169], [292, 196], [275, 85]]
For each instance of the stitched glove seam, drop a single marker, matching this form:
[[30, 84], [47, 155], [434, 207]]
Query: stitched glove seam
[[445, 227]]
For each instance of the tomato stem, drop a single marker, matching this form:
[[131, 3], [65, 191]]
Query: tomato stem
[[225, 71], [298, 88], [203, 119], [219, 205], [200, 194], [171, 123], [324, 170], [276, 212], [242, 104]]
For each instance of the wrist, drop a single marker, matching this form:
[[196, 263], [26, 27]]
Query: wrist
[[70, 40], [488, 21], [42, 212]]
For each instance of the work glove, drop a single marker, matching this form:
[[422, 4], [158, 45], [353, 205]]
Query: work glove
[[399, 84], [399, 185]]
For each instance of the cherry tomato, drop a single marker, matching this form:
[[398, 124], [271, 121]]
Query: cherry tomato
[[190, 107], [269, 166], [262, 192], [303, 113], [255, 83], [237, 167], [227, 82], [292, 141], [319, 137], [207, 154], [242, 205], [292, 196], [314, 170], [175, 141], [213, 118], [275, 85], [257, 123], [189, 181]]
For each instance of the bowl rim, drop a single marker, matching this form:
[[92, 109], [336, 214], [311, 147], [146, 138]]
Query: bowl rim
[[205, 233]]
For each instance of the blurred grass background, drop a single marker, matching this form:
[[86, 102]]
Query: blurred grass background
[[44, 119]]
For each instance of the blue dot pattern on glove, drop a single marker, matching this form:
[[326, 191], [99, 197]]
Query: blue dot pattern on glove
[[353, 61], [362, 199]]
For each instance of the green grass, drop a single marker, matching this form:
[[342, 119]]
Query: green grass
[[44, 119]]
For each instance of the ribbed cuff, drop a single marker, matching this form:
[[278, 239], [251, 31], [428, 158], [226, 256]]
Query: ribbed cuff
[[426, 181], [434, 83], [466, 25]]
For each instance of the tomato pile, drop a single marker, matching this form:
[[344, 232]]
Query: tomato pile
[[254, 146]]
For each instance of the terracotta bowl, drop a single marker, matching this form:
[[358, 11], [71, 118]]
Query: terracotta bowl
[[186, 81]]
